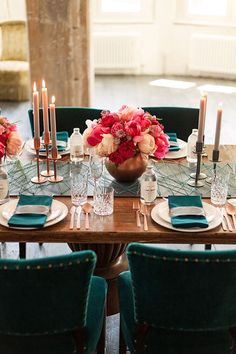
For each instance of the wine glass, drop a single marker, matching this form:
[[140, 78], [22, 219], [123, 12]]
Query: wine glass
[[96, 168]]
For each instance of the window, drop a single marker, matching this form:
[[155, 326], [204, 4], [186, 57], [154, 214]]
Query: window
[[220, 12], [123, 11]]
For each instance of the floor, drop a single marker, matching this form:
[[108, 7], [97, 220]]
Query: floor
[[110, 93]]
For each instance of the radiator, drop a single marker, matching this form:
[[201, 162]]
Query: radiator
[[116, 51], [210, 53]]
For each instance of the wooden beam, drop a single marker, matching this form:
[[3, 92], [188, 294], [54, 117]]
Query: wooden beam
[[59, 48]]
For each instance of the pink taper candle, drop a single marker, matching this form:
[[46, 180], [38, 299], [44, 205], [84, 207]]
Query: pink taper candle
[[201, 119], [36, 117], [53, 127], [45, 113], [218, 127], [205, 107]]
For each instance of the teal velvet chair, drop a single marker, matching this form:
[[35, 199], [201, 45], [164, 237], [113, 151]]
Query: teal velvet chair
[[68, 118], [180, 120], [51, 305], [178, 302]]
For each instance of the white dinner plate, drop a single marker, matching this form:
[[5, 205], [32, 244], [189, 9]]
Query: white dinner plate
[[10, 208], [210, 210], [163, 211], [177, 154], [56, 208], [29, 146]]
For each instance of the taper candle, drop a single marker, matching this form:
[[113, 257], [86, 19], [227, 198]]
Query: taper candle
[[218, 127], [53, 123], [45, 113], [36, 114], [201, 119], [205, 107]]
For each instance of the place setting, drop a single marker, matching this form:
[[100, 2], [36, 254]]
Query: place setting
[[186, 214], [32, 212], [177, 148]]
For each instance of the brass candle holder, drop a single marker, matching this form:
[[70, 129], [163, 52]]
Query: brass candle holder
[[47, 172], [54, 157], [197, 176], [37, 179]]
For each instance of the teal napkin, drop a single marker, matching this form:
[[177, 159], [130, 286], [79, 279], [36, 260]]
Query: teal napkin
[[61, 136], [187, 221], [30, 219], [173, 138]]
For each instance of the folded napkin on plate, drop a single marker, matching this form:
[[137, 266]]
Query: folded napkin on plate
[[31, 211], [187, 211], [61, 137], [174, 146]]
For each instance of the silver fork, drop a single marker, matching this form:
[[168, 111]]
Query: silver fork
[[136, 207]]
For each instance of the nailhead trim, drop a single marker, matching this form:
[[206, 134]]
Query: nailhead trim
[[186, 259]]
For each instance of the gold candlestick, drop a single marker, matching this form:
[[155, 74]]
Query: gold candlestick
[[54, 157], [37, 179]]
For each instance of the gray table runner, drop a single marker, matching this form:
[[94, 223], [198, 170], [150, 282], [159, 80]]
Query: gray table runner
[[172, 179]]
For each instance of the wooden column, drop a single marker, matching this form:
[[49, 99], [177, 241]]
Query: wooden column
[[59, 48]]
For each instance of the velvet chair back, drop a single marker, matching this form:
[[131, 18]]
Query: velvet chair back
[[180, 120], [181, 290], [68, 118], [45, 296]]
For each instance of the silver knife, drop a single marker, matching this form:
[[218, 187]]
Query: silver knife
[[78, 212]]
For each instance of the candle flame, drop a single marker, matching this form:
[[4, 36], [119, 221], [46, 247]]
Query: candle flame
[[43, 83], [53, 99], [220, 105], [34, 87]]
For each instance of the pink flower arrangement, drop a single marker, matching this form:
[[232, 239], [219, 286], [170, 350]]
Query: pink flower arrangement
[[126, 133], [10, 141]]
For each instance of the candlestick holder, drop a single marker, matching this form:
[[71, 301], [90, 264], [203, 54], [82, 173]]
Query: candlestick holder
[[196, 182], [215, 159], [37, 179], [47, 172], [202, 147], [54, 157]]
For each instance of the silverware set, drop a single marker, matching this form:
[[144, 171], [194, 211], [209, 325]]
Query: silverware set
[[141, 209], [228, 214]]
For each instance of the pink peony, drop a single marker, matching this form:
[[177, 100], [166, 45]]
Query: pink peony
[[108, 118], [127, 149], [147, 145], [14, 144], [117, 130], [2, 150], [96, 135], [132, 128], [107, 146], [127, 113], [162, 146], [86, 134], [155, 130], [116, 158]]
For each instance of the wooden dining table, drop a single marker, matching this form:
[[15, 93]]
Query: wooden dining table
[[110, 235]]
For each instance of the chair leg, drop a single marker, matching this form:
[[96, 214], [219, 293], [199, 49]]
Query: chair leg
[[22, 250], [122, 345], [101, 346], [207, 247]]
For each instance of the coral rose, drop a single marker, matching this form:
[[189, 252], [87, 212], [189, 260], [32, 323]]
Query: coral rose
[[107, 146], [147, 145], [108, 118], [162, 146], [127, 149], [14, 144], [127, 113]]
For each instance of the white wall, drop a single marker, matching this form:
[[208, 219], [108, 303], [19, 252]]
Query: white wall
[[165, 40], [12, 10]]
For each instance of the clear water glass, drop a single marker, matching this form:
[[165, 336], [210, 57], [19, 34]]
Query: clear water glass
[[79, 183], [104, 200], [96, 168], [219, 189]]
